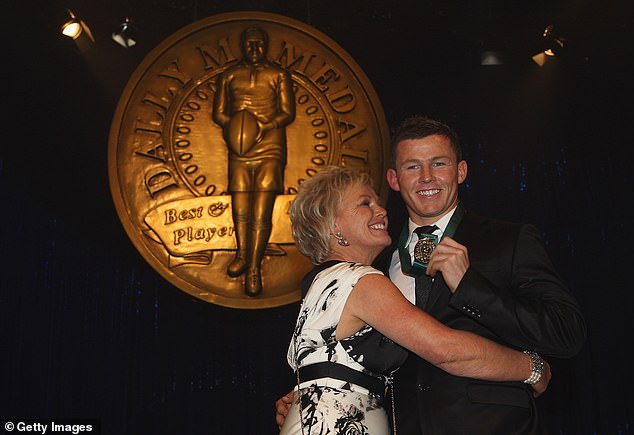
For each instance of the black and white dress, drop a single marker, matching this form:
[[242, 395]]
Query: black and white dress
[[327, 405]]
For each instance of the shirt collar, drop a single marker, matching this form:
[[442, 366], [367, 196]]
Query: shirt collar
[[440, 223]]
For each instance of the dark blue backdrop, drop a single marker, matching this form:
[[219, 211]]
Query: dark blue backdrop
[[90, 330]]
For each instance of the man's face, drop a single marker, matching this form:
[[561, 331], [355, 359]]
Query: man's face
[[254, 47], [427, 175]]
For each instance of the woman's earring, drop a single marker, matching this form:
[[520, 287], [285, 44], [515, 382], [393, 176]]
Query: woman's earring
[[341, 239]]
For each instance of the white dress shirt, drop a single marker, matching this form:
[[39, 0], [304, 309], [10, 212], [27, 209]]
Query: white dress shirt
[[407, 283]]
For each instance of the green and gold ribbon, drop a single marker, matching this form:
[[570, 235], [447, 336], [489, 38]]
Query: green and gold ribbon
[[418, 268]]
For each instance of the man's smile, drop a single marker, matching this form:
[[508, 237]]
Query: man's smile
[[428, 192]]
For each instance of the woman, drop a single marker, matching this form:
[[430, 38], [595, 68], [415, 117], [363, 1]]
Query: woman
[[353, 320]]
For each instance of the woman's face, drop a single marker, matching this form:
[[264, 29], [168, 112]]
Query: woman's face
[[363, 222]]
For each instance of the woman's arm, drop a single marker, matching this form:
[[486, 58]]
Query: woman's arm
[[378, 303]]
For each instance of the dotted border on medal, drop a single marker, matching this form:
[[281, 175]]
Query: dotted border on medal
[[322, 152]]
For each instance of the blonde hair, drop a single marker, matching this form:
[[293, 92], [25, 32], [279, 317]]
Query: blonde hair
[[315, 208]]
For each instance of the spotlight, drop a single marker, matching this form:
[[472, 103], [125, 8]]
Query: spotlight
[[492, 48], [552, 46], [126, 34], [79, 32], [76, 28], [491, 57]]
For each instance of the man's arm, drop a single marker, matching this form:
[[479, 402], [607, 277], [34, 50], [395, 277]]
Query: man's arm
[[285, 106], [286, 101], [537, 311], [221, 107]]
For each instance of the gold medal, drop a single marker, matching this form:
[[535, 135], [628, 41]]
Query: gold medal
[[423, 249]]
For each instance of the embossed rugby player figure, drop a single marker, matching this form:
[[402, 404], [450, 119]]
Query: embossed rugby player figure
[[254, 103]]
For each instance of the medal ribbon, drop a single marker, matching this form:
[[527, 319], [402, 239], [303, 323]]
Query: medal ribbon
[[417, 268]]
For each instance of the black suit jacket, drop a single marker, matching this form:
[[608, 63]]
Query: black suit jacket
[[510, 294]]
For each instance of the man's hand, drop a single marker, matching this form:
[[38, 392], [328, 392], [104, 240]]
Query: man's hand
[[281, 408], [541, 386], [264, 127], [451, 259]]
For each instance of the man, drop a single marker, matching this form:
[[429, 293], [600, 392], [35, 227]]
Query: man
[[253, 104], [489, 277]]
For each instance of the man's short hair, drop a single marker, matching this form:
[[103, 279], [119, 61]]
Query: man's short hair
[[419, 127], [245, 32]]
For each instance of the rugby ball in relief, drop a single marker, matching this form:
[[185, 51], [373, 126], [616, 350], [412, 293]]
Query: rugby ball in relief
[[241, 132]]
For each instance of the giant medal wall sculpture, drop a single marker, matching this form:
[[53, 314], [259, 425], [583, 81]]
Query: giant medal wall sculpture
[[272, 98]]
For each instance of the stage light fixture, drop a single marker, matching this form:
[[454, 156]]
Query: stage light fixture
[[126, 34], [491, 57], [492, 47], [552, 45], [76, 29]]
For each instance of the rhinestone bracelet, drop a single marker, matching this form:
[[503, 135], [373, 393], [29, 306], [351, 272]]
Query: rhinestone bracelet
[[537, 368]]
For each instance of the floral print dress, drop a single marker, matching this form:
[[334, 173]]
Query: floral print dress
[[331, 406]]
